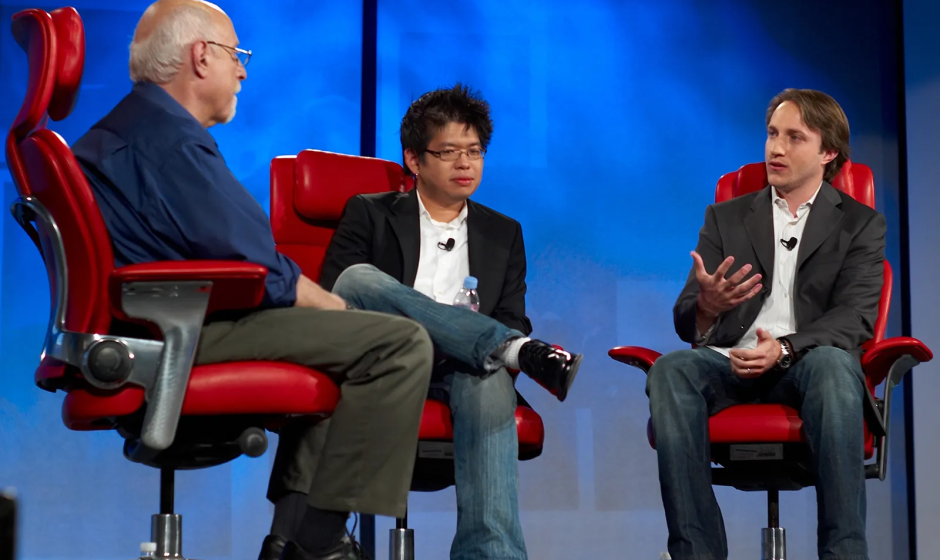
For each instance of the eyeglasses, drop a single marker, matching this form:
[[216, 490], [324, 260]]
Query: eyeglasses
[[241, 55], [473, 154]]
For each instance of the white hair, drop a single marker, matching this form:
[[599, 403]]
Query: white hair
[[159, 57]]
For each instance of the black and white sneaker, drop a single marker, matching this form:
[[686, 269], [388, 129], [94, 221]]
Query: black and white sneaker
[[550, 367]]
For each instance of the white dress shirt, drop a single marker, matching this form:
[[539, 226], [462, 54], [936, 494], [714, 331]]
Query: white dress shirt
[[776, 314], [440, 272]]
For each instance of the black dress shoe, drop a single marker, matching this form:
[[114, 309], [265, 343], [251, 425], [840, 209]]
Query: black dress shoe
[[552, 368], [346, 550], [271, 547]]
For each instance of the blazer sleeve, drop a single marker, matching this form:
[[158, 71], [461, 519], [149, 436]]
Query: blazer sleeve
[[710, 249], [351, 244], [851, 320], [510, 310]]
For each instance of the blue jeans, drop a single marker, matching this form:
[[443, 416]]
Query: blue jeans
[[826, 386], [462, 334], [482, 400], [486, 451]]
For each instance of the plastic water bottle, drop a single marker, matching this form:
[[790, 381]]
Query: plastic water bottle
[[467, 295], [147, 550]]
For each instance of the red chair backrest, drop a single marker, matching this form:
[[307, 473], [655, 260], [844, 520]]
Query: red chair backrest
[[55, 48], [309, 192], [76, 246], [854, 179], [60, 187]]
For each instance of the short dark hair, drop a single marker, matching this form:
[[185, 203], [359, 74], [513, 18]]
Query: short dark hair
[[822, 114], [436, 109]]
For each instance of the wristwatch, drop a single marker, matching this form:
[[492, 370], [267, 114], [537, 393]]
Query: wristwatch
[[786, 357]]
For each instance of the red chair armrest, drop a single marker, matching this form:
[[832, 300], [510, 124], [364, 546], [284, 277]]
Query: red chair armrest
[[235, 284], [635, 356], [878, 358]]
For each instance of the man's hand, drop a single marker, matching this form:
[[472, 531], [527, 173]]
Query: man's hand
[[310, 294], [756, 362], [718, 294]]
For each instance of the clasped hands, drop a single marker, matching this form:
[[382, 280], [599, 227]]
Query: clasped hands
[[717, 295]]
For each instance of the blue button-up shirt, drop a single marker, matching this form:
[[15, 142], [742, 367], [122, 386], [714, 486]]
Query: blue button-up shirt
[[166, 194]]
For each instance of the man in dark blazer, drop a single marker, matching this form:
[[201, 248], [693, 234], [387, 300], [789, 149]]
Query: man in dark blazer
[[783, 292], [408, 254], [388, 227]]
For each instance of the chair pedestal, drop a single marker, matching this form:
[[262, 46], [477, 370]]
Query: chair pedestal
[[774, 543], [774, 537], [401, 541], [166, 527], [166, 530]]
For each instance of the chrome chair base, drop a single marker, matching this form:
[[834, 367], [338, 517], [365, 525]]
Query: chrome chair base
[[773, 543], [401, 544]]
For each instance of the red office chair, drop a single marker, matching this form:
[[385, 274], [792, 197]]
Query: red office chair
[[776, 429], [121, 341], [308, 194]]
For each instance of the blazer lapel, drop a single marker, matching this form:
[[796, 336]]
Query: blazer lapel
[[405, 223], [760, 230], [823, 218], [477, 249]]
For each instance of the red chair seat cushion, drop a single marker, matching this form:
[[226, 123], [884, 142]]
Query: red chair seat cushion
[[233, 388], [437, 424], [757, 423]]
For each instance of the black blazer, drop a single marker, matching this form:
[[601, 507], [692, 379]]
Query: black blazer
[[838, 278], [385, 230]]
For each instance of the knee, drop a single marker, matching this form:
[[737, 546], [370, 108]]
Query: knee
[[670, 371], [356, 279], [835, 373], [498, 390], [415, 343], [420, 342], [489, 400]]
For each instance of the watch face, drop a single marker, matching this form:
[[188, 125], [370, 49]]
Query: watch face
[[785, 358]]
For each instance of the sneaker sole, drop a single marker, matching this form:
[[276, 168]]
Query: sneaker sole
[[575, 366]]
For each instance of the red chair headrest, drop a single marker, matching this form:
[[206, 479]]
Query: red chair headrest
[[70, 62], [854, 179], [55, 48], [325, 181]]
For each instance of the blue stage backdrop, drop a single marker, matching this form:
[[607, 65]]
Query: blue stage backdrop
[[613, 122], [922, 73]]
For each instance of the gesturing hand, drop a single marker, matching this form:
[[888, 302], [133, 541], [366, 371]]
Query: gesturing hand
[[753, 363], [718, 294]]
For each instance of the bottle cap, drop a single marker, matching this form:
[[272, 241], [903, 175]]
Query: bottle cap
[[148, 547], [470, 283]]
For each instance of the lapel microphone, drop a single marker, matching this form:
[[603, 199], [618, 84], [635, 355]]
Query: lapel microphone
[[788, 243], [451, 242]]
